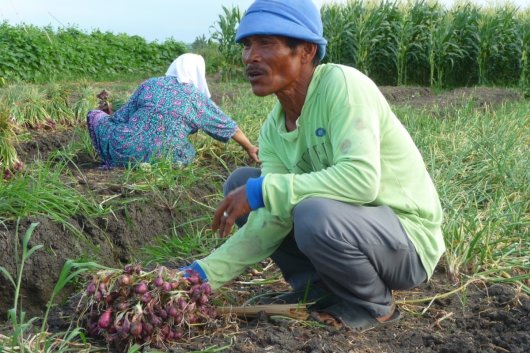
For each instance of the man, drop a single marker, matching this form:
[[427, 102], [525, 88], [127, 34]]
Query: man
[[343, 202]]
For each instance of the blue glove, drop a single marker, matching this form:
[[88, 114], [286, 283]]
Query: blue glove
[[194, 267]]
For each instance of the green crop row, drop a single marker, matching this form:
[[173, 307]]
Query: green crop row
[[420, 42], [33, 54], [424, 43]]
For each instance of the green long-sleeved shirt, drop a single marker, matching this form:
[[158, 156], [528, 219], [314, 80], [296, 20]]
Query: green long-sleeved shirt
[[348, 146]]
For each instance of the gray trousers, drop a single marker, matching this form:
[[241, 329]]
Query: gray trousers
[[360, 253]]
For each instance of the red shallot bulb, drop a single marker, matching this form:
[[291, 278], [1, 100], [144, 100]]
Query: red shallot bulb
[[91, 288], [159, 281], [141, 288], [105, 319]]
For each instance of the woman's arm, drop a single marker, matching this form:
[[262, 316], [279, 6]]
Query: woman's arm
[[244, 142]]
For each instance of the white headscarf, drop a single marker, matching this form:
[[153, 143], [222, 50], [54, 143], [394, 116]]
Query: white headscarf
[[190, 68]]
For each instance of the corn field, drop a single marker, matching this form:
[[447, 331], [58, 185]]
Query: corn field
[[423, 43]]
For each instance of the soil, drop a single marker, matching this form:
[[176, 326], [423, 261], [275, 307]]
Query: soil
[[478, 317]]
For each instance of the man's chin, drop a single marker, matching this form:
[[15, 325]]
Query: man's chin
[[260, 92]]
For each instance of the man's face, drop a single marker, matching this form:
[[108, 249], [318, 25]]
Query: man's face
[[271, 66]]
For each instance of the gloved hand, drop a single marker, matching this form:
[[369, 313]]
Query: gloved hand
[[194, 273]]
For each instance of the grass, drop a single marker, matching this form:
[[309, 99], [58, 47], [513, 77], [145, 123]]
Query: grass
[[478, 158], [479, 161], [187, 242], [40, 190], [24, 338]]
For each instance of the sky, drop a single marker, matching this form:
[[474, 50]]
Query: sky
[[183, 20]]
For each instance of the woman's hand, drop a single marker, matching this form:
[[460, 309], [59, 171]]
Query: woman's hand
[[244, 142], [253, 153], [104, 103], [105, 106], [233, 206]]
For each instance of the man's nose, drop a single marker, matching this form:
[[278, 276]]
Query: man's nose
[[250, 54]]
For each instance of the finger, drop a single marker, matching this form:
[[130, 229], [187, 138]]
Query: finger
[[225, 226], [217, 217], [228, 224], [215, 223]]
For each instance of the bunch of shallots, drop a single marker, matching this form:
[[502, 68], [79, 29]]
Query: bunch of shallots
[[157, 307]]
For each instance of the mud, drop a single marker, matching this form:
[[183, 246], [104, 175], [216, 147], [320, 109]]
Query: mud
[[477, 318]]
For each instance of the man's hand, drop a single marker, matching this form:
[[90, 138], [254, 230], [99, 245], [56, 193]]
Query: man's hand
[[193, 273], [233, 206]]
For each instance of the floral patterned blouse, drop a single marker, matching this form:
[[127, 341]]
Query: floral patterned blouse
[[156, 122]]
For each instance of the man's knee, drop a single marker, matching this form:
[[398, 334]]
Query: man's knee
[[239, 177], [318, 221], [310, 218]]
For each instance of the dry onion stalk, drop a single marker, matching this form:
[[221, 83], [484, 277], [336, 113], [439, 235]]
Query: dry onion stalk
[[156, 308]]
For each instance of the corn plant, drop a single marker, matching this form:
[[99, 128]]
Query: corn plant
[[524, 40], [442, 50], [408, 47], [381, 63], [224, 35], [506, 66], [368, 23], [497, 38], [338, 26], [465, 36]]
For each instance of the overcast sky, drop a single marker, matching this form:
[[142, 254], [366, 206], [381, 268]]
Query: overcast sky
[[184, 20]]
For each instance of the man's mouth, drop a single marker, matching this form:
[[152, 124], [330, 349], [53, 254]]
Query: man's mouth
[[253, 73]]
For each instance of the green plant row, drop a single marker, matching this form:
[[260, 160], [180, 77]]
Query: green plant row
[[422, 42], [419, 42], [32, 54]]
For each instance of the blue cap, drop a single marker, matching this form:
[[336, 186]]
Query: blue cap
[[298, 19]]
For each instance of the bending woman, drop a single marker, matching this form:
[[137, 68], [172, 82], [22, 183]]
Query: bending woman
[[159, 117]]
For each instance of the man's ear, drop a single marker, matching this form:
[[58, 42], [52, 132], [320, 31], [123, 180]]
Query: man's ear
[[309, 50]]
